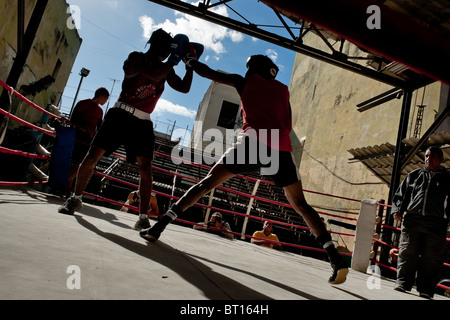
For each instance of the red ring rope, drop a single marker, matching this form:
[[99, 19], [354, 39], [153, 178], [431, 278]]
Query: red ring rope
[[26, 154], [8, 183], [23, 153], [6, 113], [21, 97]]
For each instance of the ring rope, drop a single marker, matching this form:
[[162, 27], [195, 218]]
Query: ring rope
[[12, 184], [246, 194], [384, 243], [16, 152], [23, 153], [246, 177], [238, 192], [395, 269], [28, 124], [212, 228], [214, 208], [11, 91], [21, 97]]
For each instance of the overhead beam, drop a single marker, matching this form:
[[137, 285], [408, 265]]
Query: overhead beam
[[395, 93], [400, 38], [339, 60], [439, 120]]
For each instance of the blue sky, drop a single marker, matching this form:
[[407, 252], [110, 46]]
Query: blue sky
[[111, 29]]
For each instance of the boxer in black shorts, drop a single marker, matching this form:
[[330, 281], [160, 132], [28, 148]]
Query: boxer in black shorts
[[128, 122], [266, 117], [135, 134], [239, 160]]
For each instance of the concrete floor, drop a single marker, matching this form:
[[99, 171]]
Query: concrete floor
[[96, 255]]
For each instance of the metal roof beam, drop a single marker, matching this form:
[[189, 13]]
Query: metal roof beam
[[380, 99], [439, 120], [201, 11]]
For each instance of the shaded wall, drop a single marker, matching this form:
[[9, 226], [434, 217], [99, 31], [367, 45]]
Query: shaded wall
[[324, 99], [52, 55]]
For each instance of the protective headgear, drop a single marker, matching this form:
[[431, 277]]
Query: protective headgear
[[262, 65], [161, 38]]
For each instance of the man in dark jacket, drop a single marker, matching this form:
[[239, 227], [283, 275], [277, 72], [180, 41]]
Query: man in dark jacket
[[425, 197]]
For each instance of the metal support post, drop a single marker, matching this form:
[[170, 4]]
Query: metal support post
[[249, 209]]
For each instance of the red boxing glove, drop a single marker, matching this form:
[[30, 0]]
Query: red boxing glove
[[193, 52], [178, 46]]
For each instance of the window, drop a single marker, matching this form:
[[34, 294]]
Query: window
[[228, 115]]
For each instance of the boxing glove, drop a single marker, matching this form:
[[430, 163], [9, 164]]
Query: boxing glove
[[178, 47], [193, 52]]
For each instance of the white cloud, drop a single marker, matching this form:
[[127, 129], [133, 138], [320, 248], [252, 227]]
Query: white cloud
[[198, 30], [165, 106], [272, 54]]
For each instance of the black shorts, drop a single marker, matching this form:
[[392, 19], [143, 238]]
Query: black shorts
[[122, 128], [248, 155], [81, 147]]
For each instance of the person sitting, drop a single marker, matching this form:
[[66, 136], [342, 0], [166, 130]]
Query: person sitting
[[266, 238], [217, 226], [134, 199]]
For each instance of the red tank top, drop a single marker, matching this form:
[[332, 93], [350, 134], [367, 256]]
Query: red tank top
[[265, 105], [87, 114], [141, 92]]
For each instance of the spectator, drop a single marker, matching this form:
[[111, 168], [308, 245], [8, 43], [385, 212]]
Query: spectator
[[266, 238], [424, 198], [87, 116], [134, 199], [217, 226]]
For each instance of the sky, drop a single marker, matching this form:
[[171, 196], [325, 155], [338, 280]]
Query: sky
[[111, 29]]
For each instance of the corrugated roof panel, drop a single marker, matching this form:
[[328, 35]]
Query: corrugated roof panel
[[380, 158]]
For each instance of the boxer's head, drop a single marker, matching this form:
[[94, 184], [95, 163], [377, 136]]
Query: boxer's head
[[160, 41], [263, 66]]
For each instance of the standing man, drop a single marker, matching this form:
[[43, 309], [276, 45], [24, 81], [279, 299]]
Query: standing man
[[424, 197], [261, 237], [128, 122], [266, 127], [87, 117]]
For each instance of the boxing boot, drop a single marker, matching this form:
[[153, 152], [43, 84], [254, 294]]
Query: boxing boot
[[338, 265], [152, 234]]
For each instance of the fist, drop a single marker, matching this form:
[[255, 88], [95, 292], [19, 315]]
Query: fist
[[178, 47], [193, 52]]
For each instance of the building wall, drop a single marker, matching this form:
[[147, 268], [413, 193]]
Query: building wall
[[324, 99], [53, 53], [208, 116]]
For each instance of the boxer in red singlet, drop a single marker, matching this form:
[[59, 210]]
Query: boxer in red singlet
[[266, 110], [128, 122]]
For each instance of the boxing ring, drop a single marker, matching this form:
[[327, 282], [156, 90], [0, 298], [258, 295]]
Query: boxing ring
[[373, 235]]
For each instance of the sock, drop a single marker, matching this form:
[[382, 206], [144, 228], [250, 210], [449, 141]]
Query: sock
[[174, 212], [143, 216], [327, 243], [170, 215], [325, 240], [77, 197]]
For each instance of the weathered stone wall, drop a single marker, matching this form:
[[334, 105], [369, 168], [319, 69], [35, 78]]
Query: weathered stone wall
[[53, 53], [324, 99]]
